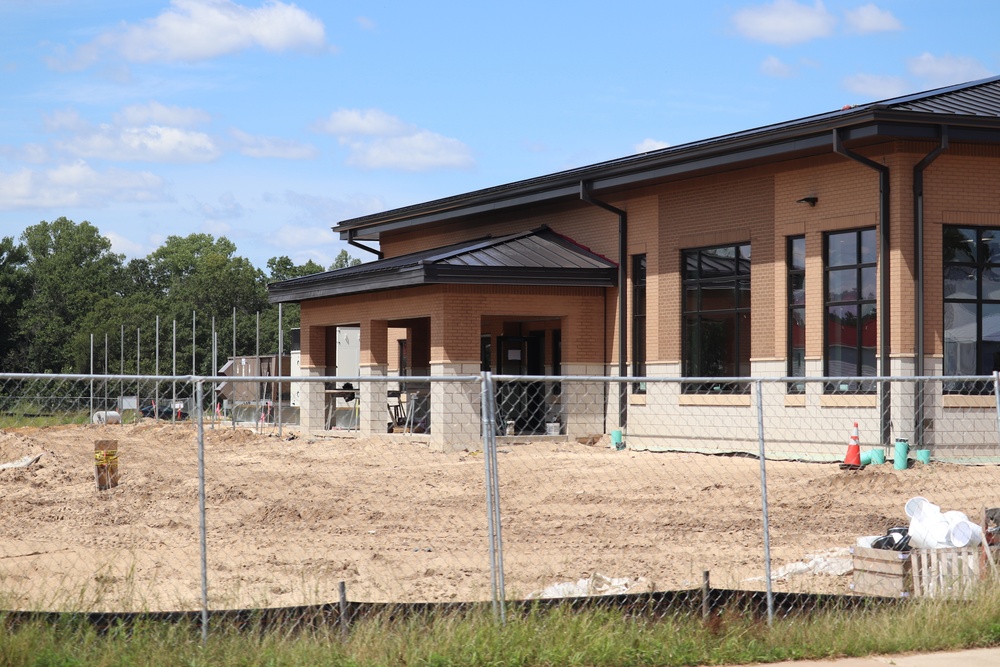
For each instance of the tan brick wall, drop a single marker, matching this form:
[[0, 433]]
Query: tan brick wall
[[713, 211]]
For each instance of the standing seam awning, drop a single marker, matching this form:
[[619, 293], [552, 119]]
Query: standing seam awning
[[540, 257]]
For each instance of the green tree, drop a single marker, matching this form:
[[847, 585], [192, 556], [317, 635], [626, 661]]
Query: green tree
[[344, 260], [13, 291], [283, 268], [70, 267], [203, 275]]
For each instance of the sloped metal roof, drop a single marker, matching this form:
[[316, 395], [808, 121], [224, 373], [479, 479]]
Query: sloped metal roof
[[539, 257], [972, 109]]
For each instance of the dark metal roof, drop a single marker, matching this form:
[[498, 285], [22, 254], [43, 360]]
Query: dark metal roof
[[972, 111], [540, 257]]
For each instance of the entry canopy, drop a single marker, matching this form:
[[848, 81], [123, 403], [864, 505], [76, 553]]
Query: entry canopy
[[540, 257]]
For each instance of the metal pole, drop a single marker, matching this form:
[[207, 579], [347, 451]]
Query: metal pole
[[194, 331], [173, 400], [486, 413], [763, 498], [260, 411], [138, 404], [281, 364], [156, 397], [121, 378], [201, 512], [105, 406], [215, 369], [91, 373]]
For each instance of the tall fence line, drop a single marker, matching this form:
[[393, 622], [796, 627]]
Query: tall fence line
[[479, 488]]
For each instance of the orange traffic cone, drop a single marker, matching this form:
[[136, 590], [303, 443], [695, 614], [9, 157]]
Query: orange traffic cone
[[853, 459]]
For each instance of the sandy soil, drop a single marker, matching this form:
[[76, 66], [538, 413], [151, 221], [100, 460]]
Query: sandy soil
[[289, 518]]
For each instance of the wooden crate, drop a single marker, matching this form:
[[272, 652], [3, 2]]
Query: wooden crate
[[937, 573], [947, 573], [881, 572]]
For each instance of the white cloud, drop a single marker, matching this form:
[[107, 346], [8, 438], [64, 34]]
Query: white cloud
[[368, 122], [874, 87], [378, 140], [366, 23], [869, 18], [124, 246], [648, 145], [226, 209], [784, 22], [161, 114], [419, 151], [152, 143], [773, 66], [946, 70], [66, 119], [330, 210], [194, 30], [273, 147], [76, 184]]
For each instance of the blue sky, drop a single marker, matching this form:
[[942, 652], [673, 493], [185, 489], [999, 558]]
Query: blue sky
[[269, 122]]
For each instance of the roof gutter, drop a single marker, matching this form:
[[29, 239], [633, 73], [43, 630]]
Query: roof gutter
[[622, 303], [885, 367], [918, 306]]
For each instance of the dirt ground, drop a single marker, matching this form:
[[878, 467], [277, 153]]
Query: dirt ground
[[290, 517]]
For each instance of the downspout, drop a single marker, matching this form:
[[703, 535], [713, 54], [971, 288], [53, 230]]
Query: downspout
[[918, 309], [351, 241], [622, 303], [885, 368]]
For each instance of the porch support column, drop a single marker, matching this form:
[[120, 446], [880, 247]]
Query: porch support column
[[455, 406], [312, 410], [374, 412]]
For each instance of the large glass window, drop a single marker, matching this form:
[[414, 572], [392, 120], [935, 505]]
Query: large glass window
[[851, 307], [716, 311], [796, 267], [639, 322], [971, 302]]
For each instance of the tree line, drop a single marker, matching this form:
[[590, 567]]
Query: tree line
[[61, 285]]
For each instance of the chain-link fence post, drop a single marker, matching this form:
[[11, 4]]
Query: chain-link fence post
[[488, 412], [763, 501], [200, 416]]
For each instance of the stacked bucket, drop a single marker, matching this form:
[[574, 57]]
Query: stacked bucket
[[930, 528]]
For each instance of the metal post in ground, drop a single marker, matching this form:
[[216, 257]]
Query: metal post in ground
[[156, 392], [203, 537], [281, 366], [489, 428], [91, 373], [763, 501]]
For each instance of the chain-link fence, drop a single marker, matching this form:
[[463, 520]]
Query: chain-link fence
[[147, 493]]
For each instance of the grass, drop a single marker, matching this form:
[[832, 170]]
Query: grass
[[21, 420], [559, 636]]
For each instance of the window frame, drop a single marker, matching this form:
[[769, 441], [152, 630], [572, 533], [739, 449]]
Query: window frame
[[981, 266], [792, 271], [694, 319], [860, 265], [639, 305]]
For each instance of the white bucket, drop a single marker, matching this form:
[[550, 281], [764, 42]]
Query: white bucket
[[961, 531], [916, 507], [929, 532]]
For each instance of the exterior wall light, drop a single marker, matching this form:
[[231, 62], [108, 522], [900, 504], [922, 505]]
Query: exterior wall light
[[807, 200]]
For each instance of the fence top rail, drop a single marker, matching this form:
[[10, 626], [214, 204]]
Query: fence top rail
[[494, 377], [743, 380], [241, 378]]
